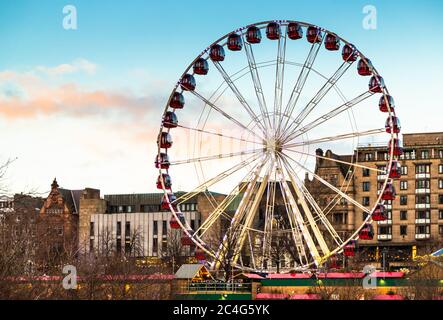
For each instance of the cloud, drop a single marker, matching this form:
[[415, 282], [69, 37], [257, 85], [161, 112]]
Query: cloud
[[78, 65]]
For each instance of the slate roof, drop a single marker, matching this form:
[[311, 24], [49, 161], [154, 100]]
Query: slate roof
[[188, 271], [72, 198]]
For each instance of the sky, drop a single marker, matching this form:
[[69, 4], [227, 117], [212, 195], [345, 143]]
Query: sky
[[85, 105]]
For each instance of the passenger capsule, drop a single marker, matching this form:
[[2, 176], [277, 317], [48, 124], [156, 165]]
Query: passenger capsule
[[235, 42], [166, 180], [367, 232], [162, 161], [349, 248], [294, 31], [273, 31], [376, 84], [177, 101], [188, 82], [200, 254], [393, 125], [364, 67], [201, 67], [253, 35], [389, 192], [173, 223], [217, 53], [379, 213], [395, 172], [165, 140], [349, 53], [332, 42], [186, 240], [170, 120], [385, 103], [168, 200], [313, 34]]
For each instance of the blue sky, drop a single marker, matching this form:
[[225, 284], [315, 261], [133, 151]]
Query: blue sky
[[134, 51]]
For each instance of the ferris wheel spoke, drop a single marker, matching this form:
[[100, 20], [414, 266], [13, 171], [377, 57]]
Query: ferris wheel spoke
[[330, 186], [218, 134], [227, 116], [318, 97], [279, 81], [216, 157], [328, 116], [239, 96], [335, 138], [221, 176], [253, 69], [298, 219], [307, 211], [336, 160], [321, 216], [303, 76], [232, 233]]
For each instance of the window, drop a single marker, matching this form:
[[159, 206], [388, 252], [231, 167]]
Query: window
[[382, 156], [440, 199], [368, 156], [119, 245], [164, 228], [119, 228], [423, 184], [164, 247], [381, 170], [366, 172], [440, 229], [128, 247], [192, 224], [440, 214], [409, 154], [440, 154], [91, 244], [384, 230], [426, 229], [424, 154], [364, 216], [423, 199], [120, 209], [422, 215], [403, 230], [403, 200], [365, 201], [440, 183], [128, 229], [59, 231], [366, 186], [403, 185], [155, 247], [155, 227], [91, 229], [422, 168], [440, 168], [403, 215], [404, 170]]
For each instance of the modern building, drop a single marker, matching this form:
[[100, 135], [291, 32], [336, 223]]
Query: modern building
[[415, 218]]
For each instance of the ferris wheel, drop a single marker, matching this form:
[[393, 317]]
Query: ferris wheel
[[250, 117]]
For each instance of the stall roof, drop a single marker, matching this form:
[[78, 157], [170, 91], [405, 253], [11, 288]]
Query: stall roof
[[289, 276], [309, 296], [341, 275], [388, 297], [189, 271], [249, 276], [271, 296], [379, 274]]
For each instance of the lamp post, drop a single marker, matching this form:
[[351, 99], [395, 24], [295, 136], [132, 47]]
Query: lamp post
[[384, 253]]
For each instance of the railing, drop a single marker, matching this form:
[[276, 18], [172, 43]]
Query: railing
[[218, 287]]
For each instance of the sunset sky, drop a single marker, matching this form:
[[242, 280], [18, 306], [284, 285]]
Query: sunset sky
[[85, 105]]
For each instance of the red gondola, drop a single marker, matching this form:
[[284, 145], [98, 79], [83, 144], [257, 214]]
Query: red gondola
[[364, 67], [167, 200], [201, 66], [200, 254], [166, 180], [396, 144], [165, 140], [295, 31], [162, 161], [395, 172], [188, 82], [173, 223], [386, 103], [177, 101], [273, 31], [367, 232], [253, 35], [389, 192], [392, 125], [349, 53], [376, 84], [234, 42], [217, 53], [332, 42], [186, 240], [349, 248], [313, 34], [170, 120], [380, 213]]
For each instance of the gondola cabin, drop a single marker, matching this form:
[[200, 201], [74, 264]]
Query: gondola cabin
[[201, 67], [167, 200], [376, 84], [162, 161], [177, 101], [235, 42], [188, 82], [253, 35], [200, 254], [170, 120], [166, 180], [395, 143], [349, 248], [364, 67], [173, 223], [380, 213], [217, 53], [294, 31], [395, 172], [273, 31], [313, 34], [392, 124], [389, 192], [332, 42], [367, 232], [385, 103], [186, 240], [349, 53], [165, 140]]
